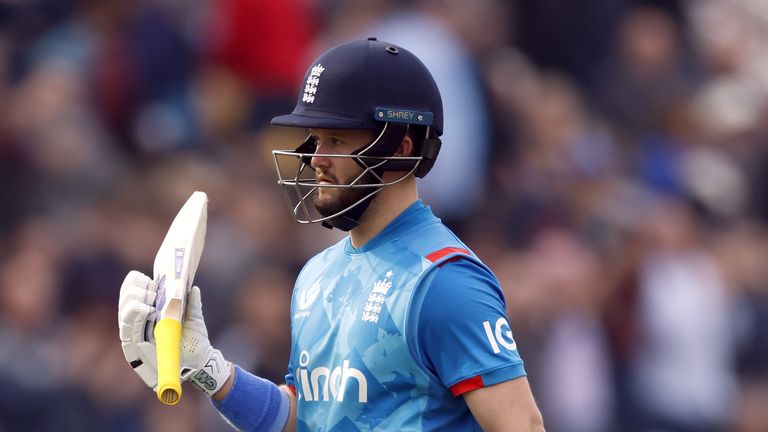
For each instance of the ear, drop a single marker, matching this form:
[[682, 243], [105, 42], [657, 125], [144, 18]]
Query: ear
[[406, 147]]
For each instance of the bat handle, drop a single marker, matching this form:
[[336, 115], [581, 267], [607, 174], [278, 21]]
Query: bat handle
[[168, 339]]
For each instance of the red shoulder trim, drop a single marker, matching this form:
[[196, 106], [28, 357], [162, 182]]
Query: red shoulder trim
[[436, 255], [468, 384], [293, 389]]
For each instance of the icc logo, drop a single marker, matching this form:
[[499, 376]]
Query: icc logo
[[500, 335]]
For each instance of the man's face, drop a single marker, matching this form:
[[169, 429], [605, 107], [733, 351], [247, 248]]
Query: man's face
[[338, 171]]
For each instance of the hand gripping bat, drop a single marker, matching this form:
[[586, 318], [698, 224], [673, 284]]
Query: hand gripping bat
[[174, 269]]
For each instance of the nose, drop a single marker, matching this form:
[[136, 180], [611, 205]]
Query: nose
[[319, 160]]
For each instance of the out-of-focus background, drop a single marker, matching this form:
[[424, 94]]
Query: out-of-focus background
[[607, 158]]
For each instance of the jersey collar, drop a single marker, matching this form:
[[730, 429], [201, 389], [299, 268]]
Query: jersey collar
[[414, 214]]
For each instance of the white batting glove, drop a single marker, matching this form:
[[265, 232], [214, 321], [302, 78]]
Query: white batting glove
[[201, 364]]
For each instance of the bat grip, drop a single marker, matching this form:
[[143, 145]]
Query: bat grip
[[168, 339]]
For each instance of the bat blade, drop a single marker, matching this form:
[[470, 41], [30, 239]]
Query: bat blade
[[174, 270]]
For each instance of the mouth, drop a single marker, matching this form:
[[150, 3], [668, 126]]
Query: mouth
[[323, 179]]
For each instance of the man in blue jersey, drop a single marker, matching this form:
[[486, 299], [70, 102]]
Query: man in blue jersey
[[399, 326]]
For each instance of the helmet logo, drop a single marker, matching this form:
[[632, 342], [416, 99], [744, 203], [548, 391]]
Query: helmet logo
[[312, 81]]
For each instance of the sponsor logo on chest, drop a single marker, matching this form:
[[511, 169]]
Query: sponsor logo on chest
[[306, 298], [502, 335], [328, 383]]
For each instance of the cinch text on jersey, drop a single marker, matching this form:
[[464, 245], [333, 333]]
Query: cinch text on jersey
[[335, 380]]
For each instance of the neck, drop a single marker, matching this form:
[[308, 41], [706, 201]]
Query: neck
[[385, 207]]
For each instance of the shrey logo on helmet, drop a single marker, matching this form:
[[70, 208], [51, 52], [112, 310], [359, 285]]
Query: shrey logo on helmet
[[371, 85]]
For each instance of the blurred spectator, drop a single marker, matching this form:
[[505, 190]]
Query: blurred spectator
[[260, 333], [67, 151], [742, 250], [571, 360], [647, 74], [563, 154], [32, 342], [568, 36], [730, 36], [265, 43], [682, 373]]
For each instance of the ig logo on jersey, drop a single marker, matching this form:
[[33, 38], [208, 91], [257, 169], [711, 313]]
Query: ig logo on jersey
[[500, 335]]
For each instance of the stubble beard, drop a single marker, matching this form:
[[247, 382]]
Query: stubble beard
[[335, 200]]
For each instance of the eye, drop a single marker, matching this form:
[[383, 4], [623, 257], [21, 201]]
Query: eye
[[328, 142]]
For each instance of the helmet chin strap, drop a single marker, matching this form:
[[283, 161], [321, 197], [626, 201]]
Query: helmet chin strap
[[349, 219]]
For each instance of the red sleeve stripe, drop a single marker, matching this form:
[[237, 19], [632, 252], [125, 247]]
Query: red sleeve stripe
[[468, 384], [436, 255], [293, 389]]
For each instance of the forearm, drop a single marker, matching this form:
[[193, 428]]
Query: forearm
[[251, 403]]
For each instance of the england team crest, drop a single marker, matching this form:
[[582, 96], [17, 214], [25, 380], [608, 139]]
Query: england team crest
[[376, 299]]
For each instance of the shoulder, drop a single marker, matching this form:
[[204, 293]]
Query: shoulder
[[432, 241], [458, 292], [463, 282], [459, 330]]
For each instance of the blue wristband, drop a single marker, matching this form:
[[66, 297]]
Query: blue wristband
[[254, 404]]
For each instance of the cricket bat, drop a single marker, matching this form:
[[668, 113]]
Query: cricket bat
[[174, 270]]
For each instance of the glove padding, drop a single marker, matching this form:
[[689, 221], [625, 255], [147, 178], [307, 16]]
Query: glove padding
[[201, 364]]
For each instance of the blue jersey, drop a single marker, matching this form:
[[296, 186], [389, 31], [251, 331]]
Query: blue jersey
[[386, 337]]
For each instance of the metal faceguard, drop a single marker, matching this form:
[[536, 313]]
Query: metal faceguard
[[373, 160]]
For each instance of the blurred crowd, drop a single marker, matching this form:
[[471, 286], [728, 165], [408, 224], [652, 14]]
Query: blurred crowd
[[607, 158]]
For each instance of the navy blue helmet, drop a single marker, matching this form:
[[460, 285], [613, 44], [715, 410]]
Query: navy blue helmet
[[371, 85]]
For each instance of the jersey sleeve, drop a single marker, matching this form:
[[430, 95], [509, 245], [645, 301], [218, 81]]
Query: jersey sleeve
[[462, 335], [290, 380]]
